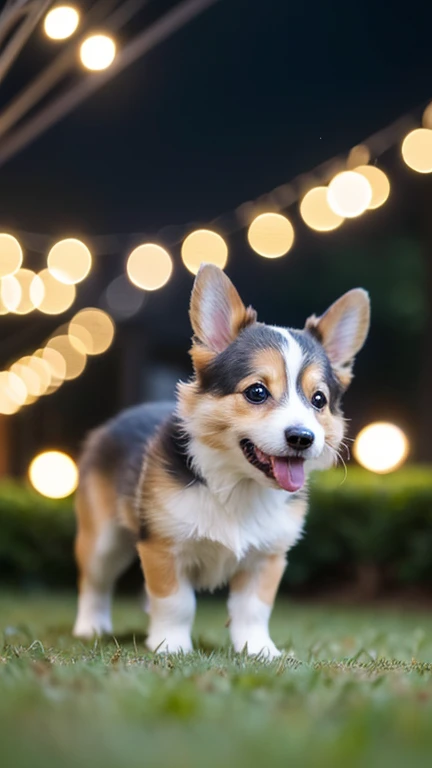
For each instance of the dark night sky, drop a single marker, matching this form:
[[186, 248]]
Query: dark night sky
[[242, 100], [247, 96]]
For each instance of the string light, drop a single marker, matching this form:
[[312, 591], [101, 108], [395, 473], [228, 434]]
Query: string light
[[98, 52], [271, 235], [30, 378], [379, 182], [381, 447], [123, 299], [11, 255], [75, 359], [149, 266], [69, 261], [349, 194], [32, 291], [417, 150], [316, 212], [54, 474], [94, 329], [56, 363], [10, 290], [8, 405], [57, 296], [203, 245], [61, 22]]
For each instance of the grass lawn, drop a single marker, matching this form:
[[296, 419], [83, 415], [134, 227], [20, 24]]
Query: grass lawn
[[354, 689]]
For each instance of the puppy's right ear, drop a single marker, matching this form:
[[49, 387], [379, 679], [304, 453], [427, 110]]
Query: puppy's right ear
[[217, 312]]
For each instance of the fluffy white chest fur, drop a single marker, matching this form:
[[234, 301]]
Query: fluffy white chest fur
[[215, 533]]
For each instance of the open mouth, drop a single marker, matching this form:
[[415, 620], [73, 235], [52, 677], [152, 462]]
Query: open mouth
[[287, 471]]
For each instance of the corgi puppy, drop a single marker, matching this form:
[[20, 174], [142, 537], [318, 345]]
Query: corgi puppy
[[211, 489]]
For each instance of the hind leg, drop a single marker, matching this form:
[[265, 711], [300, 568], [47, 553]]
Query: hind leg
[[103, 550]]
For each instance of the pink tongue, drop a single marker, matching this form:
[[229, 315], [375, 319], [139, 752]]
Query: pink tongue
[[289, 473]]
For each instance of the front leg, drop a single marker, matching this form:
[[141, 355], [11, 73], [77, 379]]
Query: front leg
[[252, 594], [171, 599]]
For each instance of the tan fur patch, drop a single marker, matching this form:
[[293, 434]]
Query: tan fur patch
[[333, 424], [270, 577], [159, 567], [264, 582], [269, 366], [95, 505]]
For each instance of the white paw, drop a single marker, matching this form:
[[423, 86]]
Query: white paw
[[87, 627], [256, 644], [172, 642]]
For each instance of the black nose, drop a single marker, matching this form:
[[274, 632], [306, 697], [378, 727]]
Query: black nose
[[299, 438]]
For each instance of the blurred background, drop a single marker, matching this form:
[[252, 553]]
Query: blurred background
[[138, 139]]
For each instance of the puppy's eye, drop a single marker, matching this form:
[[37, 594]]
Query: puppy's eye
[[256, 393], [319, 400]]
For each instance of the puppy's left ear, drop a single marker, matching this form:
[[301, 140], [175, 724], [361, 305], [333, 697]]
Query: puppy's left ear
[[342, 331]]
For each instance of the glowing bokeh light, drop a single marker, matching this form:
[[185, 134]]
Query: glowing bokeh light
[[13, 387], [30, 377], [10, 291], [359, 155], [316, 212], [32, 291], [57, 296], [56, 364], [69, 261], [74, 358], [61, 22], [417, 150], [271, 235], [381, 447], [427, 116], [11, 255], [379, 182], [98, 52], [43, 371], [123, 298], [203, 245], [349, 194], [94, 329], [8, 404], [54, 474], [149, 266]]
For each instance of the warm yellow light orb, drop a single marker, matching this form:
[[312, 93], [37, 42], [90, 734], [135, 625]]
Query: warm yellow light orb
[[8, 403], [10, 292], [61, 22], [203, 245], [316, 212], [69, 261], [29, 377], [381, 447], [379, 182], [75, 359], [94, 329], [417, 150], [13, 387], [57, 296], [98, 52], [359, 155], [149, 266], [271, 235], [349, 194], [54, 474], [56, 364], [11, 255], [32, 290]]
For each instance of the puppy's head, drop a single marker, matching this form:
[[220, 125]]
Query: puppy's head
[[269, 398]]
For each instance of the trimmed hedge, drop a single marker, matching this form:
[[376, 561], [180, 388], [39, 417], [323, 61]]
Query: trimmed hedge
[[372, 530]]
